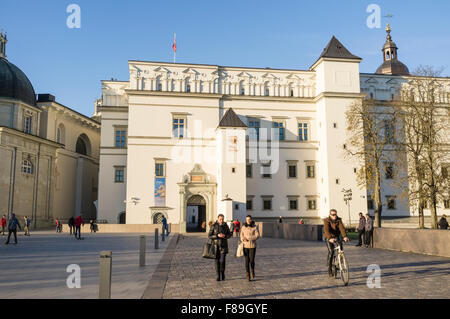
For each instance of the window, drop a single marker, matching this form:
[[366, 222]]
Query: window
[[159, 87], [159, 169], [60, 134], [249, 170], [310, 171], [27, 124], [311, 204], [266, 171], [267, 204], [446, 203], [187, 85], [249, 204], [280, 127], [120, 138], [118, 175], [179, 127], [338, 181], [292, 93], [389, 170], [293, 204], [370, 204], [292, 171], [334, 125], [389, 131], [302, 131], [233, 170], [27, 167], [266, 89], [254, 126], [391, 205]]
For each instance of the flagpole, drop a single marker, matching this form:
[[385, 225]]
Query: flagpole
[[175, 51]]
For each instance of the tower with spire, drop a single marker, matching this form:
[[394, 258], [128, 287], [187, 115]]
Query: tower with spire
[[3, 41], [391, 65]]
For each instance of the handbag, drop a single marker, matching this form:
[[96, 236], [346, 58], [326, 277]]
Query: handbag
[[210, 250], [240, 249]]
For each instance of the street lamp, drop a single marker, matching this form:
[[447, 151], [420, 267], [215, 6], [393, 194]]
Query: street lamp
[[347, 199]]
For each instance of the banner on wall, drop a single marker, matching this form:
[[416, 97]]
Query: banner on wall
[[160, 191]]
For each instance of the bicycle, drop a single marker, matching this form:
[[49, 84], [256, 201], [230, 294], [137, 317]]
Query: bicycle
[[340, 263]]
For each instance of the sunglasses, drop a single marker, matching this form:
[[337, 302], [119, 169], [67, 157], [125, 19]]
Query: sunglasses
[[333, 214]]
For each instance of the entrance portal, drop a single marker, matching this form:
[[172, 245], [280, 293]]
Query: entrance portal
[[196, 214]]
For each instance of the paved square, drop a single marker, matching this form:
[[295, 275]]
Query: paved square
[[297, 269], [36, 267]]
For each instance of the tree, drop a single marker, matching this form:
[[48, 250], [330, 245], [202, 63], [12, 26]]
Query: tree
[[370, 142], [425, 134]]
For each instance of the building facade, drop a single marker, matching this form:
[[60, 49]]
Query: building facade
[[49, 153], [189, 141]]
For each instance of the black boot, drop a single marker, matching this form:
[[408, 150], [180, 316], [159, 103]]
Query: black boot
[[248, 276], [253, 274], [222, 271], [218, 271]]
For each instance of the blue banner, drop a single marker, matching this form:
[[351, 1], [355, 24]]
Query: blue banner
[[160, 191]]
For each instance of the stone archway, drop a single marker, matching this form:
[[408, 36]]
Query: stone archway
[[197, 182], [196, 214]]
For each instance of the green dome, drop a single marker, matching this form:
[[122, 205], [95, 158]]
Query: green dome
[[15, 84]]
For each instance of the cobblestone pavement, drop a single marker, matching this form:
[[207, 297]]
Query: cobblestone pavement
[[36, 266], [297, 269]]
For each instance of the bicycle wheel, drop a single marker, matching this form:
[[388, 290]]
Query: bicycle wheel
[[334, 268], [343, 269]]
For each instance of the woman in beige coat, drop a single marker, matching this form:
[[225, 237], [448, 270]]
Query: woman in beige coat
[[249, 235]]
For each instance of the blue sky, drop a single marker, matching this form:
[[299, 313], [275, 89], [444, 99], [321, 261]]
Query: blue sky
[[70, 63]]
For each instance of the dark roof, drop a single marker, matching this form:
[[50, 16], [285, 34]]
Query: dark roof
[[15, 84], [336, 49], [393, 67], [230, 119]]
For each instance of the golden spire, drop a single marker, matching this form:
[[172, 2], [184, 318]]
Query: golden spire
[[388, 31]]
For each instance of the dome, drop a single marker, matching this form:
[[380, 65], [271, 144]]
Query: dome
[[393, 67], [15, 84]]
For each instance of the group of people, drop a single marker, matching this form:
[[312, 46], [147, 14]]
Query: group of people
[[75, 226], [365, 230], [13, 224], [248, 233]]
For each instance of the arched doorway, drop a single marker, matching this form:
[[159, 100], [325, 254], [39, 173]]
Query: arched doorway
[[195, 214], [83, 145]]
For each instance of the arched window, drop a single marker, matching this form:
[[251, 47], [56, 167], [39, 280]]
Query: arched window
[[157, 218], [187, 85], [60, 134], [266, 88], [83, 145], [158, 83], [241, 88], [27, 167]]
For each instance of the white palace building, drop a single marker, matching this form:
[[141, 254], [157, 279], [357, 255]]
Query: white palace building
[[189, 141]]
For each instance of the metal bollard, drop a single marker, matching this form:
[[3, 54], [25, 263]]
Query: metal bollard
[[162, 235], [156, 239], [142, 251], [104, 277], [170, 228]]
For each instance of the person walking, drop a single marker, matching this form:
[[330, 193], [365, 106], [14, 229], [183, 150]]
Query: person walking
[[57, 225], [280, 220], [3, 224], [249, 235], [26, 225], [443, 224], [93, 226], [368, 231], [165, 227], [71, 224], [220, 233], [361, 229], [237, 227], [13, 223], [78, 222]]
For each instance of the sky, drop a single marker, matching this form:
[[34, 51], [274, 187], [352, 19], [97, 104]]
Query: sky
[[71, 62]]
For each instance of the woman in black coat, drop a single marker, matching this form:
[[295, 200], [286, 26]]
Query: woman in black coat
[[219, 233]]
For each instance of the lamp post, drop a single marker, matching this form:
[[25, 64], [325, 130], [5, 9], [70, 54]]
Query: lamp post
[[347, 199]]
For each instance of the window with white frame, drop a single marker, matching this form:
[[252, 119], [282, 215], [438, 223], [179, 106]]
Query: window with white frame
[[179, 126], [27, 120], [120, 136], [293, 202], [279, 127], [253, 128], [303, 134], [311, 203], [310, 170], [159, 169], [27, 167], [119, 174]]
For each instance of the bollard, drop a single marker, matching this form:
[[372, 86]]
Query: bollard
[[156, 239], [170, 228], [142, 251], [162, 235], [104, 280]]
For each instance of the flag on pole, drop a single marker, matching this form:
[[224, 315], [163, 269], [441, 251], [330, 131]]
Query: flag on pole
[[174, 46]]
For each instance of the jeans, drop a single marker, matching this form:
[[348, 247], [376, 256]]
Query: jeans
[[72, 229], [360, 236], [78, 231], [220, 264], [368, 237], [3, 229], [330, 247], [166, 229], [12, 231], [249, 254]]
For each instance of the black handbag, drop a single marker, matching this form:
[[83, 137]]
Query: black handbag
[[210, 250]]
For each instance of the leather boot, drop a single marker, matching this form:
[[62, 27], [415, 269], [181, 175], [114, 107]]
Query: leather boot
[[218, 271], [222, 271], [253, 274], [248, 276]]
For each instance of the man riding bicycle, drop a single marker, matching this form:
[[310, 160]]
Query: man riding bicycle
[[332, 228]]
